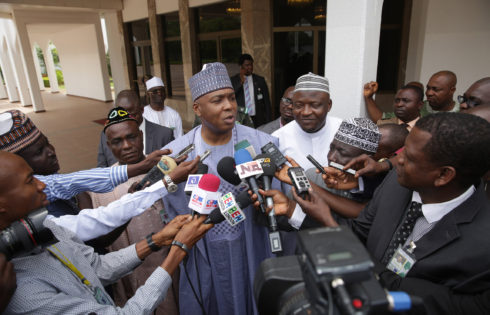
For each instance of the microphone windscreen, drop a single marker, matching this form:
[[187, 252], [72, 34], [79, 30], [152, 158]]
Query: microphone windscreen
[[268, 166], [242, 156], [215, 217], [243, 199], [209, 182], [226, 169], [202, 168]]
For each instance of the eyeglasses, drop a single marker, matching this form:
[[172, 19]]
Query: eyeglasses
[[470, 102], [286, 100]]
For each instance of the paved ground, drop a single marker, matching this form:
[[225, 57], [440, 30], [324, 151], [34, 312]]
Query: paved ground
[[68, 124]]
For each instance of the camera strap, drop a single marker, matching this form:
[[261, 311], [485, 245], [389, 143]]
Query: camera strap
[[97, 292]]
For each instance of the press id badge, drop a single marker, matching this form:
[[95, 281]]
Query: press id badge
[[101, 297], [403, 260]]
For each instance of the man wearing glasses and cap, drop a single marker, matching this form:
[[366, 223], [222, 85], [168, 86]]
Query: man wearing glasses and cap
[[286, 110], [157, 112]]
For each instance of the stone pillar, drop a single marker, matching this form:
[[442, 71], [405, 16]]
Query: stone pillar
[[50, 69], [3, 92], [351, 56], [26, 71], [117, 51], [38, 68], [189, 52], [257, 36], [8, 74]]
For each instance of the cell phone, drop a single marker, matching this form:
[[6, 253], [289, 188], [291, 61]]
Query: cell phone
[[299, 179], [341, 167], [205, 155], [317, 165], [276, 155], [185, 150]]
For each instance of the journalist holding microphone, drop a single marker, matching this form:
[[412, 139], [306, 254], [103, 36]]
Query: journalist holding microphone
[[426, 225], [68, 277]]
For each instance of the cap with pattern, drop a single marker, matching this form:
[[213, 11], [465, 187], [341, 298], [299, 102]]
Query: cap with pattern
[[212, 77], [117, 115], [17, 131], [361, 133], [312, 82]]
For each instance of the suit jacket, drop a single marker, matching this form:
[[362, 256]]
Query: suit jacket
[[452, 272], [156, 137], [271, 127], [262, 106]]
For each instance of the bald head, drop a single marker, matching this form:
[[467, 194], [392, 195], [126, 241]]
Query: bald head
[[392, 138], [440, 90], [478, 94], [20, 191]]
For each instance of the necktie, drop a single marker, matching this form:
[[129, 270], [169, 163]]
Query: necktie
[[404, 230], [248, 98]]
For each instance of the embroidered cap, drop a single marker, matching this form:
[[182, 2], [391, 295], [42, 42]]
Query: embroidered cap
[[17, 131], [154, 82], [361, 133], [212, 77], [312, 82], [117, 115]]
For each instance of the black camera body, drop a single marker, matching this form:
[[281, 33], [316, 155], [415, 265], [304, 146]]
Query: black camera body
[[333, 268], [24, 235]]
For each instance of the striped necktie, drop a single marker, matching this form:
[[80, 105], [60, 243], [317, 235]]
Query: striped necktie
[[248, 98]]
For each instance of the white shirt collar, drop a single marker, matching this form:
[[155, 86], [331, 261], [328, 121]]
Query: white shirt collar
[[433, 212]]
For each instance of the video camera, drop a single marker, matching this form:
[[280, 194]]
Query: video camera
[[26, 234], [332, 275]]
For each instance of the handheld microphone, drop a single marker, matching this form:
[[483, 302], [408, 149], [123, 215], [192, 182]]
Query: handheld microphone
[[205, 197], [163, 167], [230, 209], [248, 169], [226, 169], [193, 179], [269, 169]]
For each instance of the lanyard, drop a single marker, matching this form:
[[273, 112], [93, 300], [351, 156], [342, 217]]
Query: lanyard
[[97, 292], [65, 261]]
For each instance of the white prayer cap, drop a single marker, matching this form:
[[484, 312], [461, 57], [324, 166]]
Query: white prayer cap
[[312, 82], [154, 82]]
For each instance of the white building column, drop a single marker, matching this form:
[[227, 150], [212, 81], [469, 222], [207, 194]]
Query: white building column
[[103, 61], [50, 69], [351, 56], [20, 76], [117, 52], [38, 68], [8, 74], [30, 74]]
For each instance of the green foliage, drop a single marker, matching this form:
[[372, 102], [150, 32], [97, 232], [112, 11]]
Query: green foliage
[[46, 82], [59, 76]]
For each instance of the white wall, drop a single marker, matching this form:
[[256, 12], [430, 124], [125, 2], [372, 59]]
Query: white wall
[[449, 35], [135, 10]]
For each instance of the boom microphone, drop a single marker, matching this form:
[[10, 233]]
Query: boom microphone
[[205, 197], [163, 167], [248, 169], [231, 210]]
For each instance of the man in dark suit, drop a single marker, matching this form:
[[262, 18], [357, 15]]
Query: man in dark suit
[[251, 91], [435, 200], [155, 136]]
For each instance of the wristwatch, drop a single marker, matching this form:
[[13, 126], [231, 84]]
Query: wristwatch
[[154, 247], [171, 187], [387, 161]]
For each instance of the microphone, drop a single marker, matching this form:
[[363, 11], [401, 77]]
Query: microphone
[[163, 167], [269, 169], [193, 179], [230, 208], [205, 197], [248, 169], [226, 169]]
